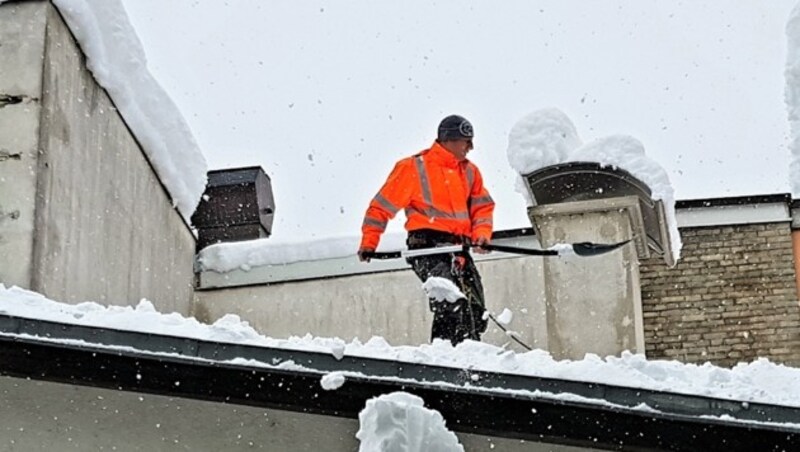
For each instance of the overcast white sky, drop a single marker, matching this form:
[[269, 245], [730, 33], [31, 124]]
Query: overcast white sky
[[326, 96]]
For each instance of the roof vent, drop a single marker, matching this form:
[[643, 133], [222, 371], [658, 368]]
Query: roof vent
[[237, 205]]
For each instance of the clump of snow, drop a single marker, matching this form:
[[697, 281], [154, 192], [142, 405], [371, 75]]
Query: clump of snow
[[505, 317], [545, 137], [442, 289], [542, 138], [117, 60], [792, 94], [399, 422], [337, 349], [332, 381], [563, 249], [224, 257]]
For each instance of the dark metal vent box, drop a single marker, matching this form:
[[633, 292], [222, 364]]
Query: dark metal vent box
[[237, 205]]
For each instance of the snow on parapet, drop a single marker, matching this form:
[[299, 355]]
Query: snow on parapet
[[224, 257], [548, 137], [792, 94], [116, 58], [399, 421]]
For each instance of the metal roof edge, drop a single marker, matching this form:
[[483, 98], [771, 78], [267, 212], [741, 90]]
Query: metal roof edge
[[785, 198], [474, 380], [532, 418]]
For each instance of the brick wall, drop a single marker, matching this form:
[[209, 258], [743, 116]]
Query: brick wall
[[731, 298]]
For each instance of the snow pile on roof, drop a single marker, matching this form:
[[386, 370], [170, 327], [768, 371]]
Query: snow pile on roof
[[224, 257], [116, 58], [793, 94], [758, 381], [398, 422], [547, 137]]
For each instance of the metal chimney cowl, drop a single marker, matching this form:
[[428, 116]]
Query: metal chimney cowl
[[237, 205], [587, 181]]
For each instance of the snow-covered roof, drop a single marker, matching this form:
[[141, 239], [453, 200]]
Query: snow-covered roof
[[475, 386], [759, 381]]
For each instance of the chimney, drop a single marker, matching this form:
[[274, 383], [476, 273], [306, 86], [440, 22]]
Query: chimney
[[593, 305]]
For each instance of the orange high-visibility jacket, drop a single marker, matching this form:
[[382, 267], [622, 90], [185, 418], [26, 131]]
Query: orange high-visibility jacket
[[437, 192]]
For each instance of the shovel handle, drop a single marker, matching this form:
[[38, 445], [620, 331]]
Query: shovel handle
[[584, 249], [383, 255], [518, 250]]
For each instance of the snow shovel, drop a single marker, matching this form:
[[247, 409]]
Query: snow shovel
[[584, 249]]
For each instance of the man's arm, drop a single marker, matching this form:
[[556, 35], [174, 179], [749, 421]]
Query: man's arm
[[481, 211], [394, 195]]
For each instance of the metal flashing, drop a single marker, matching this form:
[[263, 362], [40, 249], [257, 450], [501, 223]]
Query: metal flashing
[[733, 214], [31, 331], [784, 198], [482, 405]]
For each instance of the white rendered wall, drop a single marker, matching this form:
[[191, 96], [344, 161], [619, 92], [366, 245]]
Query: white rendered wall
[[22, 43], [95, 222], [388, 304], [42, 416]]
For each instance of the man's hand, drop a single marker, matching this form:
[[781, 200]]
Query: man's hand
[[477, 246], [365, 254]]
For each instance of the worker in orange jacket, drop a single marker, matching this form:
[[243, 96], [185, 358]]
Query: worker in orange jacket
[[445, 203]]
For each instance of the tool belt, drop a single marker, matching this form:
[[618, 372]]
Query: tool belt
[[430, 238]]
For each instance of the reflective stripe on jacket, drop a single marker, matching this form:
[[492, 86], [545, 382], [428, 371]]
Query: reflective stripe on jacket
[[437, 192]]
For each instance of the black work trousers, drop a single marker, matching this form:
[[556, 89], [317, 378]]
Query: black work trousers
[[463, 319]]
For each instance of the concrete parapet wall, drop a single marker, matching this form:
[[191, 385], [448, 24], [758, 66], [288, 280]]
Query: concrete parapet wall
[[731, 298], [94, 221], [22, 46], [388, 304]]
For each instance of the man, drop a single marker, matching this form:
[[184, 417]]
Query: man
[[445, 203]]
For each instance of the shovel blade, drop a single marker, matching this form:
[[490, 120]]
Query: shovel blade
[[594, 249]]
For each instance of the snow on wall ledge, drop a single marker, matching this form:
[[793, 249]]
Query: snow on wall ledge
[[227, 256], [547, 137], [116, 58]]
